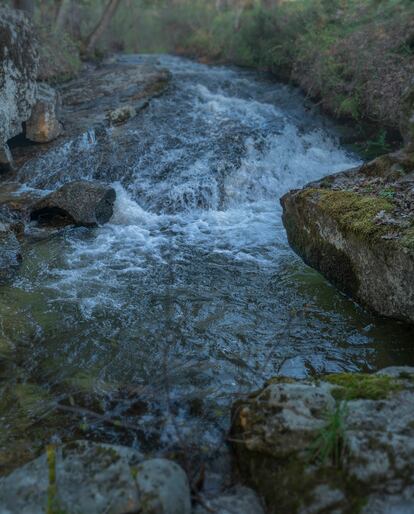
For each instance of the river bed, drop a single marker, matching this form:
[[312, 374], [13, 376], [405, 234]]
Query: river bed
[[144, 330]]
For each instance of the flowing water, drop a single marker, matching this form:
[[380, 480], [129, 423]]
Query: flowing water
[[190, 295]]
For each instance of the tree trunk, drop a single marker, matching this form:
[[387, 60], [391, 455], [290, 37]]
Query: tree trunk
[[73, 25], [24, 5], [102, 25], [62, 15]]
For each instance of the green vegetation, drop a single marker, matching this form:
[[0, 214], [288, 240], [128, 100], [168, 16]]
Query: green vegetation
[[374, 147], [354, 386], [330, 443], [58, 55], [345, 53], [354, 56]]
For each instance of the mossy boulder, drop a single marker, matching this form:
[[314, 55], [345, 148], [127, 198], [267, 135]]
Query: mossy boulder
[[357, 229], [340, 444]]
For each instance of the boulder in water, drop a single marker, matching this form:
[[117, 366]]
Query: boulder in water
[[121, 115], [344, 443], [81, 203], [43, 125], [357, 229], [18, 71]]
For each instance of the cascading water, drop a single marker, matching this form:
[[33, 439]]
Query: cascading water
[[191, 295]]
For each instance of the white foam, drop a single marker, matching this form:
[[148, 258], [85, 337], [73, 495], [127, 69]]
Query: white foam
[[186, 188]]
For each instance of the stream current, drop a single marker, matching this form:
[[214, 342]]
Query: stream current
[[190, 296]]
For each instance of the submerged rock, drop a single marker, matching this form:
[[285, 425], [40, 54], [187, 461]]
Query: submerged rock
[[111, 93], [357, 229], [18, 71], [81, 203], [342, 444], [94, 478], [121, 115], [43, 125]]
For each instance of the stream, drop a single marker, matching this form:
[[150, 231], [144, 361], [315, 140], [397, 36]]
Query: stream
[[146, 329]]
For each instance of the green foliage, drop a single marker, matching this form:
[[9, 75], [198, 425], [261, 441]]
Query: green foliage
[[387, 193], [329, 446], [376, 147], [355, 386], [59, 58]]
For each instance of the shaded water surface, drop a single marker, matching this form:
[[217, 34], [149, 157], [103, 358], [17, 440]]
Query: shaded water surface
[[191, 295]]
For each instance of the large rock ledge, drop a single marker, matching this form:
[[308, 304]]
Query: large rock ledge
[[343, 444], [106, 95], [357, 229], [18, 71]]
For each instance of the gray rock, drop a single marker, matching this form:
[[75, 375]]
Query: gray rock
[[398, 504], [355, 228], [43, 125], [92, 478], [85, 477], [280, 439], [163, 488], [81, 203], [18, 70], [10, 256], [239, 500]]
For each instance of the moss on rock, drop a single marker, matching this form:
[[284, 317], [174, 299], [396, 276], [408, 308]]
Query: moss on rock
[[352, 211], [354, 386]]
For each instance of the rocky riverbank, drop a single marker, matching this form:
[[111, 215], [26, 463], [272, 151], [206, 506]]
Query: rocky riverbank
[[339, 444], [35, 118], [357, 227], [354, 58]]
